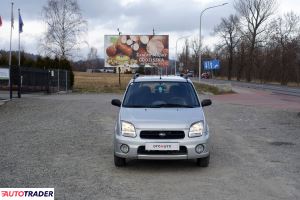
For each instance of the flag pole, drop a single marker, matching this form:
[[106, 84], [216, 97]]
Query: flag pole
[[10, 70], [19, 82], [19, 40]]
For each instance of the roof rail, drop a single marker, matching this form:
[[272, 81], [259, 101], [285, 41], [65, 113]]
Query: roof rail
[[136, 75], [184, 76]]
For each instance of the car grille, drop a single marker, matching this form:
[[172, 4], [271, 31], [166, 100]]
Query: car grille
[[142, 150], [162, 134]]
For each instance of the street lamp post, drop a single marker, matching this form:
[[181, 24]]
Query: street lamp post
[[176, 50], [200, 34]]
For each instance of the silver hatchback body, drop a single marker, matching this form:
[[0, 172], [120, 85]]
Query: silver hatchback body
[[161, 118]]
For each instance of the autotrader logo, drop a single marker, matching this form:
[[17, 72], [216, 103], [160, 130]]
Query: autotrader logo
[[27, 193]]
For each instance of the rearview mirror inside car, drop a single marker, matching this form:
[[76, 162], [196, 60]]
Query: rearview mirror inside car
[[205, 102], [116, 102]]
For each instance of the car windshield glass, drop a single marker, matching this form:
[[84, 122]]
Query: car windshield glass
[[160, 94]]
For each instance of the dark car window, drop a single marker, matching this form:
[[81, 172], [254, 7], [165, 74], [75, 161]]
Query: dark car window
[[161, 94]]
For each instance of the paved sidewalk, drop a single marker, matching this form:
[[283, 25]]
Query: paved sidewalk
[[253, 97]]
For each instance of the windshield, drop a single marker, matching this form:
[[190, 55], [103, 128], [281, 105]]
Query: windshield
[[160, 94]]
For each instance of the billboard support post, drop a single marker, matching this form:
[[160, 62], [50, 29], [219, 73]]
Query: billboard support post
[[119, 70]]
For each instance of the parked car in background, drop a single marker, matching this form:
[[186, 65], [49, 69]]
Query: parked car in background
[[109, 70], [205, 75], [190, 74], [106, 70]]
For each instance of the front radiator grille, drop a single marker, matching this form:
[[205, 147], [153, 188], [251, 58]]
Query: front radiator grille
[[162, 134]]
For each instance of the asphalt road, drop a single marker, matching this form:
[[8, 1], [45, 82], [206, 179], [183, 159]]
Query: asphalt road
[[277, 89], [65, 142]]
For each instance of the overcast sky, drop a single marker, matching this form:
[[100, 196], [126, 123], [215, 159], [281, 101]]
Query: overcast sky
[[173, 17]]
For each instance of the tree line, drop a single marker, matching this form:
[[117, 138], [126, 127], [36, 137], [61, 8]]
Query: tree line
[[254, 44], [35, 61]]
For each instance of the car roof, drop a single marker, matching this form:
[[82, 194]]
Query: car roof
[[160, 78]]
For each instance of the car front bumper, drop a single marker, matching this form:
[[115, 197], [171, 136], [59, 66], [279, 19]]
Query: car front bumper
[[187, 145]]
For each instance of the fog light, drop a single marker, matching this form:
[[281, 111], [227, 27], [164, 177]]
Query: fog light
[[199, 148], [124, 148]]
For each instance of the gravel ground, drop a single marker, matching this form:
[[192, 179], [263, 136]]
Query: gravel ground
[[65, 142]]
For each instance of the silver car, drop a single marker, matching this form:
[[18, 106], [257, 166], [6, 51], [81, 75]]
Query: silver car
[[161, 118]]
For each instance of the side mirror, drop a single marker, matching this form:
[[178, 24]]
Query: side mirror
[[116, 102], [205, 102]]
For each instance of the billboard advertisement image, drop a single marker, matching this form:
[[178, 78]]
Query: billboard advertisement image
[[136, 50]]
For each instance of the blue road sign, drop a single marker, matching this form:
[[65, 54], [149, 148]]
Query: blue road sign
[[211, 64]]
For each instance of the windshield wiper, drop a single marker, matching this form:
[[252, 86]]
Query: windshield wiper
[[141, 106], [135, 106], [171, 105]]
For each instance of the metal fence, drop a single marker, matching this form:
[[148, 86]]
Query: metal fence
[[29, 80]]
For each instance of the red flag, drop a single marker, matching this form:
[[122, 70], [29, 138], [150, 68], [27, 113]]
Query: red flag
[[0, 21]]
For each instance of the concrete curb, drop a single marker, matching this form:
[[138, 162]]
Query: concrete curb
[[226, 87]]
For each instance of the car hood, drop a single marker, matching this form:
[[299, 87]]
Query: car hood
[[164, 118]]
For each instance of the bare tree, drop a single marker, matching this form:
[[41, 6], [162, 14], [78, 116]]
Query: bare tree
[[195, 46], [65, 28], [92, 55], [228, 30], [187, 54], [285, 31], [241, 58], [255, 13], [92, 58], [184, 56], [297, 66]]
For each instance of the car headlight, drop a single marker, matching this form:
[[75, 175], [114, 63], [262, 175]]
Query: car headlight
[[127, 129], [196, 129]]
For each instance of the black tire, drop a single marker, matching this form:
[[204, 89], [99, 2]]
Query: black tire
[[119, 162], [203, 162]]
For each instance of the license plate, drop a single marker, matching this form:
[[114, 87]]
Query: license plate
[[162, 146]]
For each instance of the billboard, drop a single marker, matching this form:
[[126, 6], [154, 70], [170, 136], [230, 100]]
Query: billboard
[[136, 50]]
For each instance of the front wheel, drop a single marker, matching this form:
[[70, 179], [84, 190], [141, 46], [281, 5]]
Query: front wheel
[[119, 162], [203, 162]]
